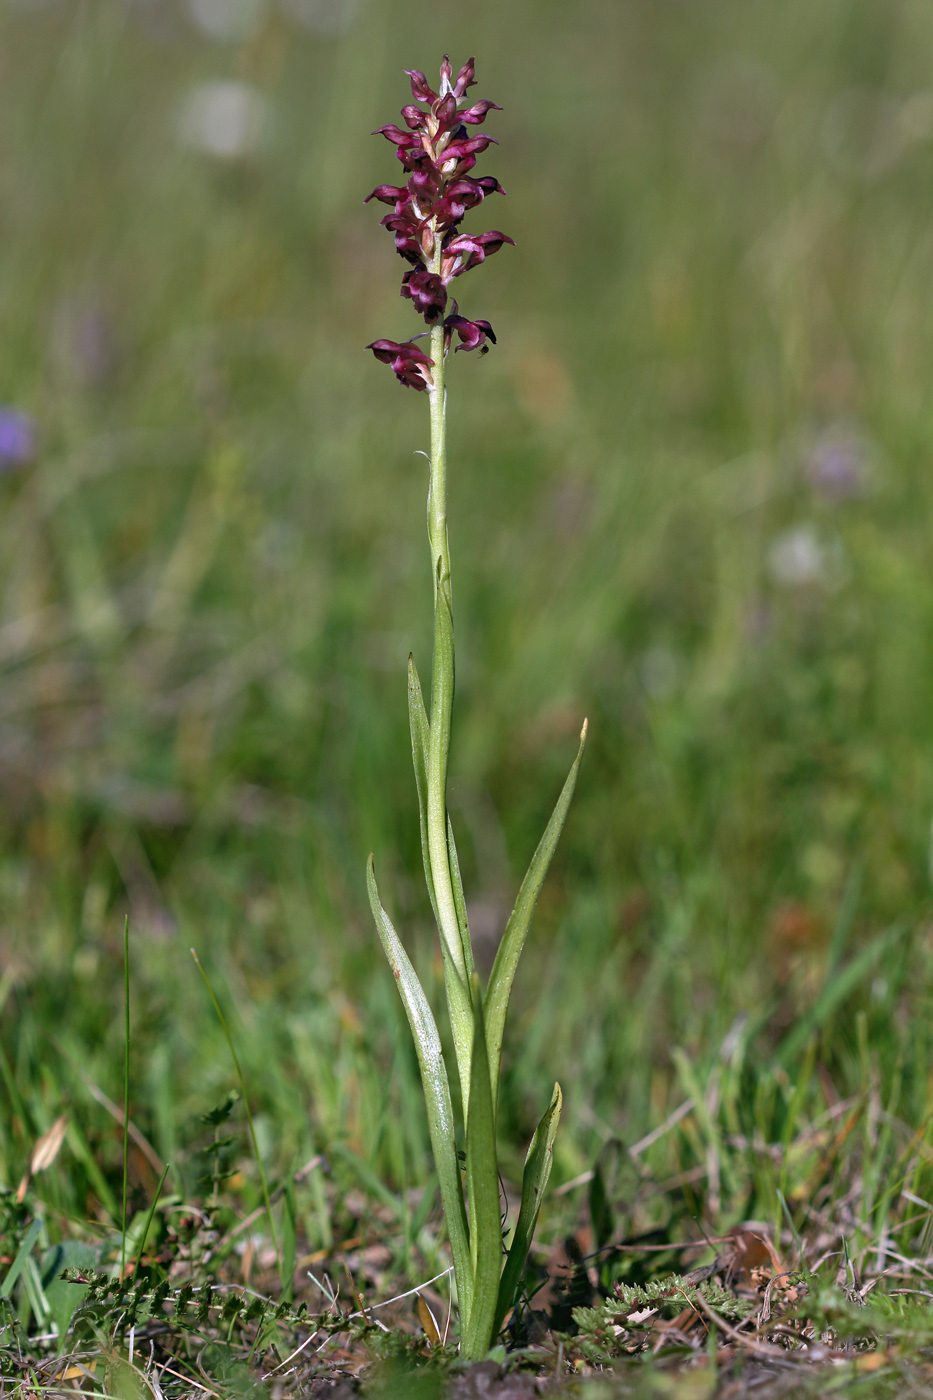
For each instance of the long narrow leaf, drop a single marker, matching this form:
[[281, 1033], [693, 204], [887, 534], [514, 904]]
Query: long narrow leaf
[[513, 940], [420, 740], [534, 1180], [483, 1191], [455, 968], [459, 1004], [22, 1254], [459, 899], [436, 1090]]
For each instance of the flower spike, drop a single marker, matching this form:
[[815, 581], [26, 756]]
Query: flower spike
[[437, 153]]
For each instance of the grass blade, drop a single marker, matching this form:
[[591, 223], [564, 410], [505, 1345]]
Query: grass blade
[[513, 940], [483, 1192], [534, 1180], [22, 1254], [436, 1090], [834, 993], [249, 1116], [148, 1224]]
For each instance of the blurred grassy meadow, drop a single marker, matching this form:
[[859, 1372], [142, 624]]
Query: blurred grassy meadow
[[691, 498]]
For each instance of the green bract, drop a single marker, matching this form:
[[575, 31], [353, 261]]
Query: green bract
[[487, 1280]]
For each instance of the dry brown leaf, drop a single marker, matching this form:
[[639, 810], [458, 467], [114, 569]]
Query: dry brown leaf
[[44, 1153], [429, 1322], [47, 1148]]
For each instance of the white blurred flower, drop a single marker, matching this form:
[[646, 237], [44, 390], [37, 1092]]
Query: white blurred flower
[[224, 119], [324, 16], [798, 558], [229, 20]]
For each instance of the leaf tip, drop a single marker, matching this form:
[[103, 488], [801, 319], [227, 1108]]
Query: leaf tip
[[586, 725]]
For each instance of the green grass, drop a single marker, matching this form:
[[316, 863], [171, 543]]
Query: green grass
[[212, 575]]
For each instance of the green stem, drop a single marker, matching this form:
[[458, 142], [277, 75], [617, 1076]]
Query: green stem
[[442, 695]]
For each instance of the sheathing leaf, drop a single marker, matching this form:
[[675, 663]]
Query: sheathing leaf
[[513, 940], [534, 1180], [436, 1090]]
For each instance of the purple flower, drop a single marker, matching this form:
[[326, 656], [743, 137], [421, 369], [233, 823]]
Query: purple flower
[[428, 293], [838, 465], [437, 154], [467, 251], [473, 334], [476, 114], [421, 91], [389, 194], [397, 136], [411, 365], [17, 439]]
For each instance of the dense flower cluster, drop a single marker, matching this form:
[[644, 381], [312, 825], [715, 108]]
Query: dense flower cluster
[[437, 153]]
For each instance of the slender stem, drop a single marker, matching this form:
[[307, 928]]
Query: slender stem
[[437, 487], [442, 670]]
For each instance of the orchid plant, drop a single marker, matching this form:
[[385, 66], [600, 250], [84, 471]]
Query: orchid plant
[[438, 155]]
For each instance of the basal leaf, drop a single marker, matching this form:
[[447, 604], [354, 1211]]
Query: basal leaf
[[513, 940], [483, 1193], [436, 1089], [534, 1180]]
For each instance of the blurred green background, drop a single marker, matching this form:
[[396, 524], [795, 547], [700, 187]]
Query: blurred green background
[[690, 496]]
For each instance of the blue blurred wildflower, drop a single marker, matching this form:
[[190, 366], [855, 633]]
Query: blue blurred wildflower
[[17, 439]]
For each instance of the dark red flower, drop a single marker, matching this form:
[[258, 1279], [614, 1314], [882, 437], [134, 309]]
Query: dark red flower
[[411, 365], [421, 90], [415, 119], [460, 196], [428, 293], [466, 251], [388, 194], [473, 334], [458, 149], [476, 114], [397, 136], [465, 78]]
